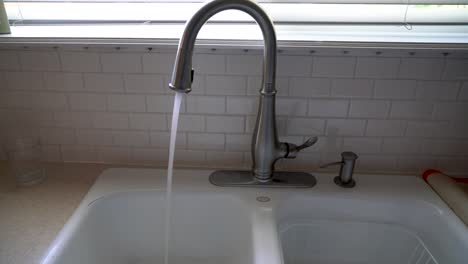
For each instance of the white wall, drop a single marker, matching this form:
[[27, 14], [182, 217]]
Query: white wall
[[400, 111]]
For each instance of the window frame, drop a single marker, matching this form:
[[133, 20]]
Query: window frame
[[381, 29], [45, 12]]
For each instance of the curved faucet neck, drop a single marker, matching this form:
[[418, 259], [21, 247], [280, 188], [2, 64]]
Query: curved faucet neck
[[181, 80]]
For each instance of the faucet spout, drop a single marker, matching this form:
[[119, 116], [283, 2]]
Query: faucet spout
[[181, 80]]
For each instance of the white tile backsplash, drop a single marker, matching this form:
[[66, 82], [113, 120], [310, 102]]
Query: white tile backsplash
[[110, 120], [103, 82], [209, 64], [87, 102], [9, 60], [17, 100], [294, 65], [372, 162], [395, 89], [29, 118], [161, 139], [369, 109], [40, 61], [131, 138], [399, 112], [126, 103], [122, 62], [245, 65], [225, 159], [305, 126], [26, 81], [290, 107], [72, 119], [94, 137], [328, 108], [51, 153], [151, 121], [226, 85], [158, 62], [47, 100], [114, 154], [410, 163], [364, 145], [238, 142], [421, 68], [226, 124], [463, 95], [452, 164], [345, 127], [385, 128], [242, 105], [402, 146], [334, 66], [205, 141], [151, 156], [161, 103], [60, 81], [377, 68], [428, 129], [453, 111], [193, 158], [352, 88], [437, 90], [145, 83], [411, 110], [458, 130], [206, 104], [62, 136], [456, 69], [189, 123], [446, 147], [80, 61], [309, 87], [79, 153]]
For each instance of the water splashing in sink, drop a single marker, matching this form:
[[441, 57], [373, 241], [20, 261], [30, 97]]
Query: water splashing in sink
[[170, 166]]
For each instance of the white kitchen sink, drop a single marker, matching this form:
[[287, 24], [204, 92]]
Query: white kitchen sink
[[128, 227], [385, 230], [384, 219]]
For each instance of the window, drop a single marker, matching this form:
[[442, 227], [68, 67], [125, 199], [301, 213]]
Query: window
[[447, 19], [281, 11]]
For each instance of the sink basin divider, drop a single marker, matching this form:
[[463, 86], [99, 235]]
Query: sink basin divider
[[266, 243]]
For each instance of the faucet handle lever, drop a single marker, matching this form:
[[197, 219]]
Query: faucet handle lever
[[309, 142], [292, 149]]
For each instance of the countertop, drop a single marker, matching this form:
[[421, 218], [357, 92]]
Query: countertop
[[31, 217]]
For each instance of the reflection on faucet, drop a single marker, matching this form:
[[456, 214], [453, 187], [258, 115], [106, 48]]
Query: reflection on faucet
[[266, 148]]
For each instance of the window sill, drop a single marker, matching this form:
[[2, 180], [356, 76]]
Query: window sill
[[245, 35]]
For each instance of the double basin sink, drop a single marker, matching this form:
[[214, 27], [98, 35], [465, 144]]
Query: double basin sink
[[384, 219]]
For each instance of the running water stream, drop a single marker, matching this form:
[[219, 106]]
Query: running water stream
[[170, 167]]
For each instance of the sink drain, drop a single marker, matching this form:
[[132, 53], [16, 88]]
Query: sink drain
[[263, 199]]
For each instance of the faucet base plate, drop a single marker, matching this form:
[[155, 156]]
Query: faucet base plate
[[280, 179]]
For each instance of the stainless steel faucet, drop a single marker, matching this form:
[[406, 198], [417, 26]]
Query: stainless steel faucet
[[266, 148]]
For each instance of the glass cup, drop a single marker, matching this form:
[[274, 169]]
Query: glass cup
[[24, 156]]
